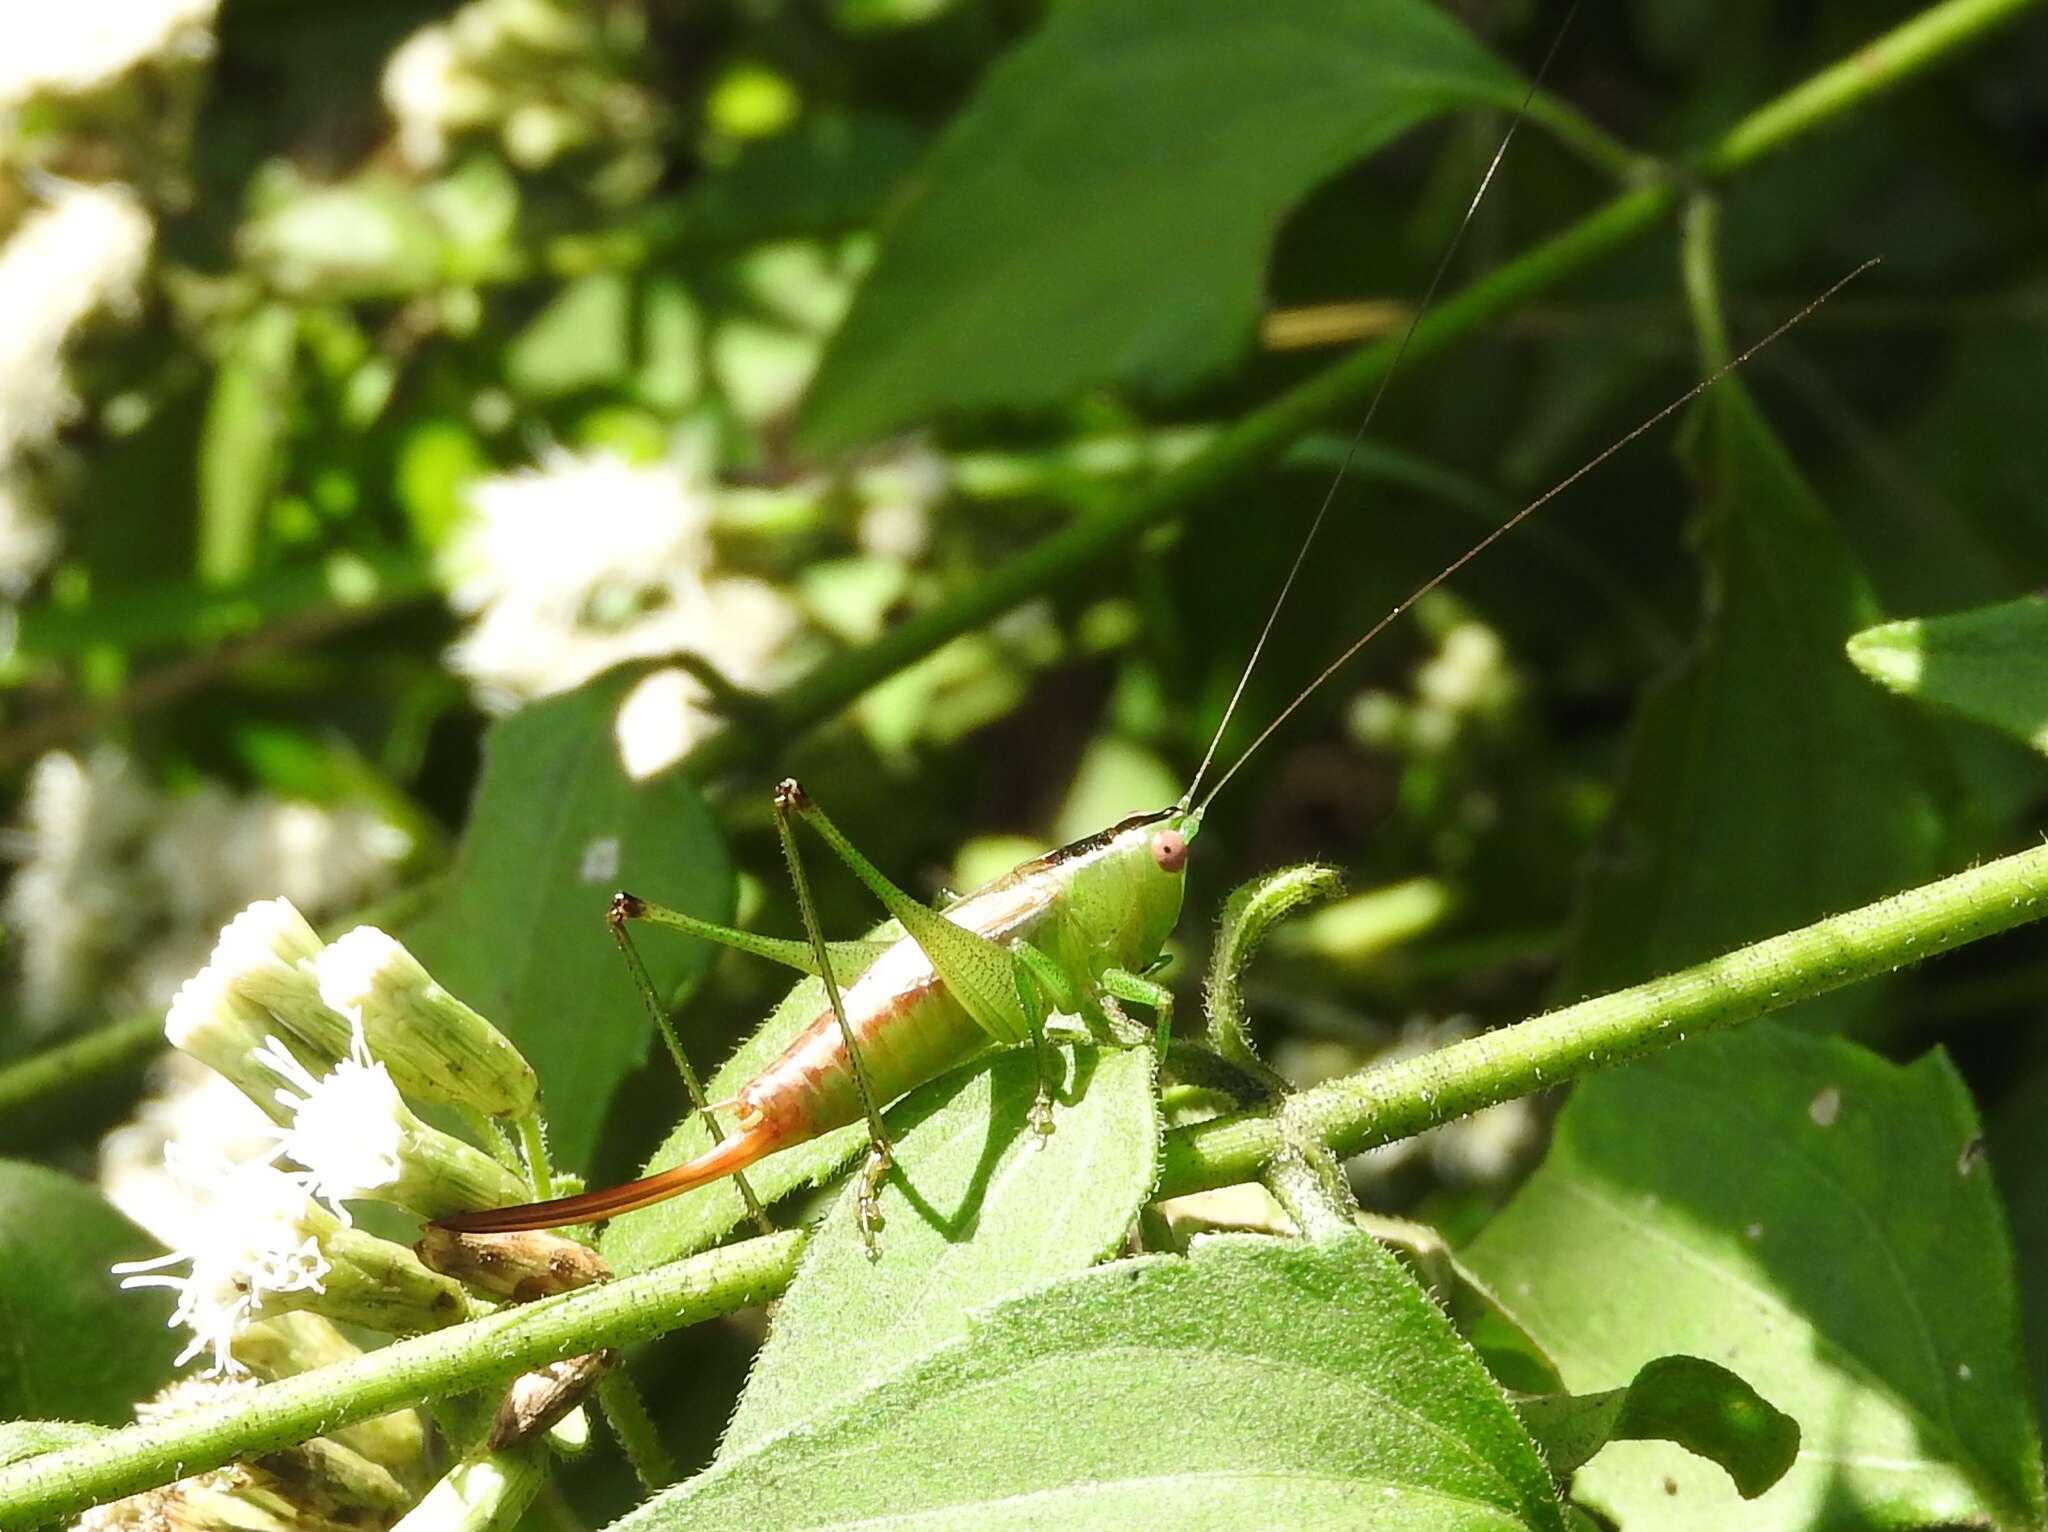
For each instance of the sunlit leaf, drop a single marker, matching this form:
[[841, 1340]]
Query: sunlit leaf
[[978, 1209], [1990, 664], [1821, 1222], [1256, 1382]]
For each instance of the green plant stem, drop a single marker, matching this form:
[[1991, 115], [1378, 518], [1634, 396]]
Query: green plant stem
[[480, 1354], [39, 1094], [533, 1143], [1907, 50], [1403, 1097], [1231, 456], [626, 1414], [1372, 1107]]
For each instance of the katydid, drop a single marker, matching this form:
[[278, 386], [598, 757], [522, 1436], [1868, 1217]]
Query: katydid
[[1079, 930]]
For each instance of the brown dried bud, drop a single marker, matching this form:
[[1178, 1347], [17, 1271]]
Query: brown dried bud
[[537, 1399], [522, 1267]]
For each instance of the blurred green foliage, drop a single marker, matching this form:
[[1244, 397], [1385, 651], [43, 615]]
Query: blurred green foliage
[[404, 250]]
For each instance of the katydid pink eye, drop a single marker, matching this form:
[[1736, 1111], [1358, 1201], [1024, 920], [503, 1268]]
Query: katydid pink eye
[[1170, 850]]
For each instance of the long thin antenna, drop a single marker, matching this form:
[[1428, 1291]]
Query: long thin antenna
[[1523, 514], [1372, 408]]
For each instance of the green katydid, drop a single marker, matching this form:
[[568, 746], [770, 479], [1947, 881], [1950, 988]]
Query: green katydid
[[1077, 931]]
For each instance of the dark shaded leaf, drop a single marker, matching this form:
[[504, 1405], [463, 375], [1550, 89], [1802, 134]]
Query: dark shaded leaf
[[75, 1347], [1103, 210], [1769, 784], [519, 931], [1701, 1407]]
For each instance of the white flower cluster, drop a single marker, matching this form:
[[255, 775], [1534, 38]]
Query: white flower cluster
[[280, 1017], [70, 49], [121, 885], [83, 253], [584, 562]]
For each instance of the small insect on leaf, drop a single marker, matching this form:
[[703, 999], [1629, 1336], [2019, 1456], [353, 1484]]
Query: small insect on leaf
[[538, 1399]]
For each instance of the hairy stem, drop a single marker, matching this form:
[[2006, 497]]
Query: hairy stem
[[1403, 1097], [1375, 1106], [480, 1354]]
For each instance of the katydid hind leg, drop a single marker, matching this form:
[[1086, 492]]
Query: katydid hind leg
[[880, 1155], [980, 973], [616, 919]]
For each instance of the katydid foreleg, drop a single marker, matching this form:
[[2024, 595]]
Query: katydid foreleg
[[625, 907]]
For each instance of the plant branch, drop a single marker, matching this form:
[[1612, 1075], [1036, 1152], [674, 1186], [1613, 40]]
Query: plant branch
[[1233, 455], [1404, 1097], [476, 1355], [1375, 1106], [41, 1092]]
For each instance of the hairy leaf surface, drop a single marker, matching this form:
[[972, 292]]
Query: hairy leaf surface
[[978, 1208], [1257, 1382]]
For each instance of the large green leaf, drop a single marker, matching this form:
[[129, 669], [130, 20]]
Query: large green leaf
[[1820, 1221], [1990, 664], [684, 1225], [1103, 209], [519, 931], [1770, 784], [1257, 1382], [978, 1209], [73, 1346]]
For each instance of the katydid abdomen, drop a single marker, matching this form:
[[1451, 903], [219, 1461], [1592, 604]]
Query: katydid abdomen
[[1101, 905]]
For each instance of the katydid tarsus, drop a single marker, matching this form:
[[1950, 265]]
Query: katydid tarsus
[[1079, 931]]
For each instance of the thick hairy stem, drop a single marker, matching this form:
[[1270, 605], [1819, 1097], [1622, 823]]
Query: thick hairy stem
[[1377, 1105], [1404, 1097]]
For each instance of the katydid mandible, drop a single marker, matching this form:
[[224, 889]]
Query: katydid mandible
[[1080, 930]]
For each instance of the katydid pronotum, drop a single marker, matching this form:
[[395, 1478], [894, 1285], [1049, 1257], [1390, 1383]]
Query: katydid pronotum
[[1079, 931]]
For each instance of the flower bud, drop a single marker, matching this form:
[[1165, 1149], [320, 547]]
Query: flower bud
[[521, 1266], [436, 1048], [356, 1137], [225, 1031]]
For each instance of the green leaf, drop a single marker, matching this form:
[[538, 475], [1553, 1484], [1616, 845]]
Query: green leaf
[[1103, 210], [1257, 1382], [979, 1209], [519, 930], [241, 450], [1990, 664], [1798, 1209], [73, 1346], [696, 1220], [1703, 1408], [1769, 784]]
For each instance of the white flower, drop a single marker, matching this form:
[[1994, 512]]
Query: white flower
[[84, 252], [121, 887], [585, 562], [74, 903], [192, 1106], [348, 1127], [64, 49], [261, 1237]]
